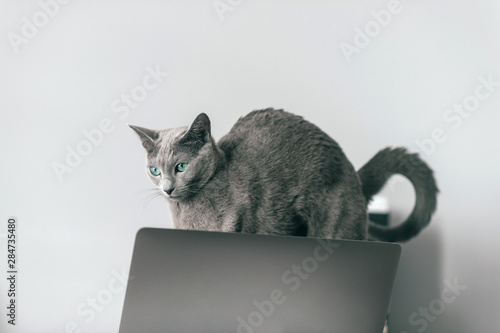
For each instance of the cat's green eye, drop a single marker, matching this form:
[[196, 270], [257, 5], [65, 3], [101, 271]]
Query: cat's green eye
[[181, 167], [154, 171]]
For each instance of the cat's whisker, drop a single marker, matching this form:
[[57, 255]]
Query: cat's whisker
[[149, 200], [148, 190], [153, 194]]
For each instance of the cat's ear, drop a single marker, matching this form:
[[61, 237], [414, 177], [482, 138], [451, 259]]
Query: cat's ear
[[198, 132], [147, 136]]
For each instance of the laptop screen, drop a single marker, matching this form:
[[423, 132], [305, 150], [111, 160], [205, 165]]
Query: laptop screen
[[195, 281]]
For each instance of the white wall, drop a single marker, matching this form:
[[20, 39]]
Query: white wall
[[76, 234]]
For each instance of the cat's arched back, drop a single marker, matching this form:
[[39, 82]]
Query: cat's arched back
[[276, 173]]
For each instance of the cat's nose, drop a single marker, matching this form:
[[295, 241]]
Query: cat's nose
[[169, 191]]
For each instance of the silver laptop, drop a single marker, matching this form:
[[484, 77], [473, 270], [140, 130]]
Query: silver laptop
[[210, 282]]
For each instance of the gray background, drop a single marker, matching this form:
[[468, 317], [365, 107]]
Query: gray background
[[76, 234]]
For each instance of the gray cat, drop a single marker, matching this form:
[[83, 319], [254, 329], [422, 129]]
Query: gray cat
[[276, 173]]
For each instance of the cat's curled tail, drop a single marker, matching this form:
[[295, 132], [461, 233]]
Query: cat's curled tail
[[375, 173]]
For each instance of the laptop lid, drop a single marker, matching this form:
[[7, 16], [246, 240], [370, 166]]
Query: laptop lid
[[211, 282]]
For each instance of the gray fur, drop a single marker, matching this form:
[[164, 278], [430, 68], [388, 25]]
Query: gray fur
[[375, 174], [275, 173]]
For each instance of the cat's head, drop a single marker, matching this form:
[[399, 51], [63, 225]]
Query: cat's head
[[180, 161]]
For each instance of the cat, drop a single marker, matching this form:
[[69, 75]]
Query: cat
[[276, 173]]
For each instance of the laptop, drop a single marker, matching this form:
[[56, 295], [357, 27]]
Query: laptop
[[184, 281]]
